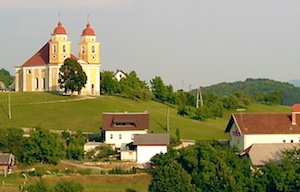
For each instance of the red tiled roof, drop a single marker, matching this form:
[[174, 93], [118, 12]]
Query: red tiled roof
[[59, 29], [125, 121], [40, 58], [296, 108], [265, 123], [88, 31]]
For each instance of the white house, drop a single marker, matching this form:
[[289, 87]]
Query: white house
[[246, 129], [119, 128], [145, 146], [119, 74]]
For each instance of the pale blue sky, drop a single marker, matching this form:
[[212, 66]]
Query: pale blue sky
[[185, 42]]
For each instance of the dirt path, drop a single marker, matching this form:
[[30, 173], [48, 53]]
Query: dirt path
[[81, 165]]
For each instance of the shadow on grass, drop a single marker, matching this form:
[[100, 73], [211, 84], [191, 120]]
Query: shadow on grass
[[130, 190], [4, 110], [163, 127]]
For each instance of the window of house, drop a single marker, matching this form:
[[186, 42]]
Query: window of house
[[132, 136], [111, 136], [292, 141], [283, 141], [120, 136]]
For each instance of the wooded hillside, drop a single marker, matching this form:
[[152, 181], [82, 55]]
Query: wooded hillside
[[252, 87]]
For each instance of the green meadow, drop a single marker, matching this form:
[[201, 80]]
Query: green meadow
[[78, 113]]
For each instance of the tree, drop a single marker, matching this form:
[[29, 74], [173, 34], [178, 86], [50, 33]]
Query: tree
[[171, 177], [5, 77], [71, 77], [43, 146], [108, 84], [159, 89], [12, 141], [74, 145]]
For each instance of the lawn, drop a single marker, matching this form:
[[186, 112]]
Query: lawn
[[52, 111]]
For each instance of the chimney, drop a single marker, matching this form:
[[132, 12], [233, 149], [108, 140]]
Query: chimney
[[295, 112]]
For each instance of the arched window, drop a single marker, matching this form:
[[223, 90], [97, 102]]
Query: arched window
[[82, 49], [93, 49], [64, 48], [54, 48]]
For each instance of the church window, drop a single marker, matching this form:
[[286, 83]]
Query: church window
[[64, 48], [36, 83], [43, 83], [28, 71], [93, 49], [82, 50], [54, 48]]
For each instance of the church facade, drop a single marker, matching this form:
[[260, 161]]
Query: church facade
[[41, 72]]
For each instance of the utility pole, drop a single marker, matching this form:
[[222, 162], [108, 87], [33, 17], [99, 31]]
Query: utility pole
[[199, 94]]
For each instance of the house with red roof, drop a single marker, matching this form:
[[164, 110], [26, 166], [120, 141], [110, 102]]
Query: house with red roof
[[246, 129], [119, 74], [41, 71]]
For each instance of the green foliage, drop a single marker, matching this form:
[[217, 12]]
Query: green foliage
[[68, 186], [5, 77], [120, 171], [171, 177], [252, 87], [62, 186], [71, 77], [85, 171], [109, 85], [100, 152], [42, 146], [74, 145], [12, 141]]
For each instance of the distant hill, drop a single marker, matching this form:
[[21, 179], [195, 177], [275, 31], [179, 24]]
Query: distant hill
[[295, 82], [291, 94]]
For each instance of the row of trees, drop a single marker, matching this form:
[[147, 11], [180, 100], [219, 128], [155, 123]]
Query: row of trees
[[210, 167], [42, 145]]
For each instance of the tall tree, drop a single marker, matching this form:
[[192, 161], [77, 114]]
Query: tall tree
[[43, 146], [108, 84], [159, 89], [71, 77]]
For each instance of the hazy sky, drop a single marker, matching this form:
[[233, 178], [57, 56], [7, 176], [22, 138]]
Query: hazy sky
[[188, 43]]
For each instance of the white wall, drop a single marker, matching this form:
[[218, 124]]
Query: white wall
[[126, 137], [145, 153]]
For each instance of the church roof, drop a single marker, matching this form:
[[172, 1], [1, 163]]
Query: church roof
[[41, 57], [88, 31], [59, 29]]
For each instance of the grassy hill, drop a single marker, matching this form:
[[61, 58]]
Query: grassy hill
[[76, 113]]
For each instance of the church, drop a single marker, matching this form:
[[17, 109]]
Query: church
[[41, 72]]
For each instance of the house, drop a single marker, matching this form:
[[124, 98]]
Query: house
[[145, 146], [119, 74], [7, 160], [119, 128], [259, 154], [246, 129], [41, 71]]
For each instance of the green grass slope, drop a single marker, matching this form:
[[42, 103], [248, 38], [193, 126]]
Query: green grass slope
[[76, 113]]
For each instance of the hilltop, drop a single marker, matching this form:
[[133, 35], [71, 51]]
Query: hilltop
[[77, 113], [252, 87]]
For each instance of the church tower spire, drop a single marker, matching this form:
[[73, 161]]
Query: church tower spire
[[89, 49]]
